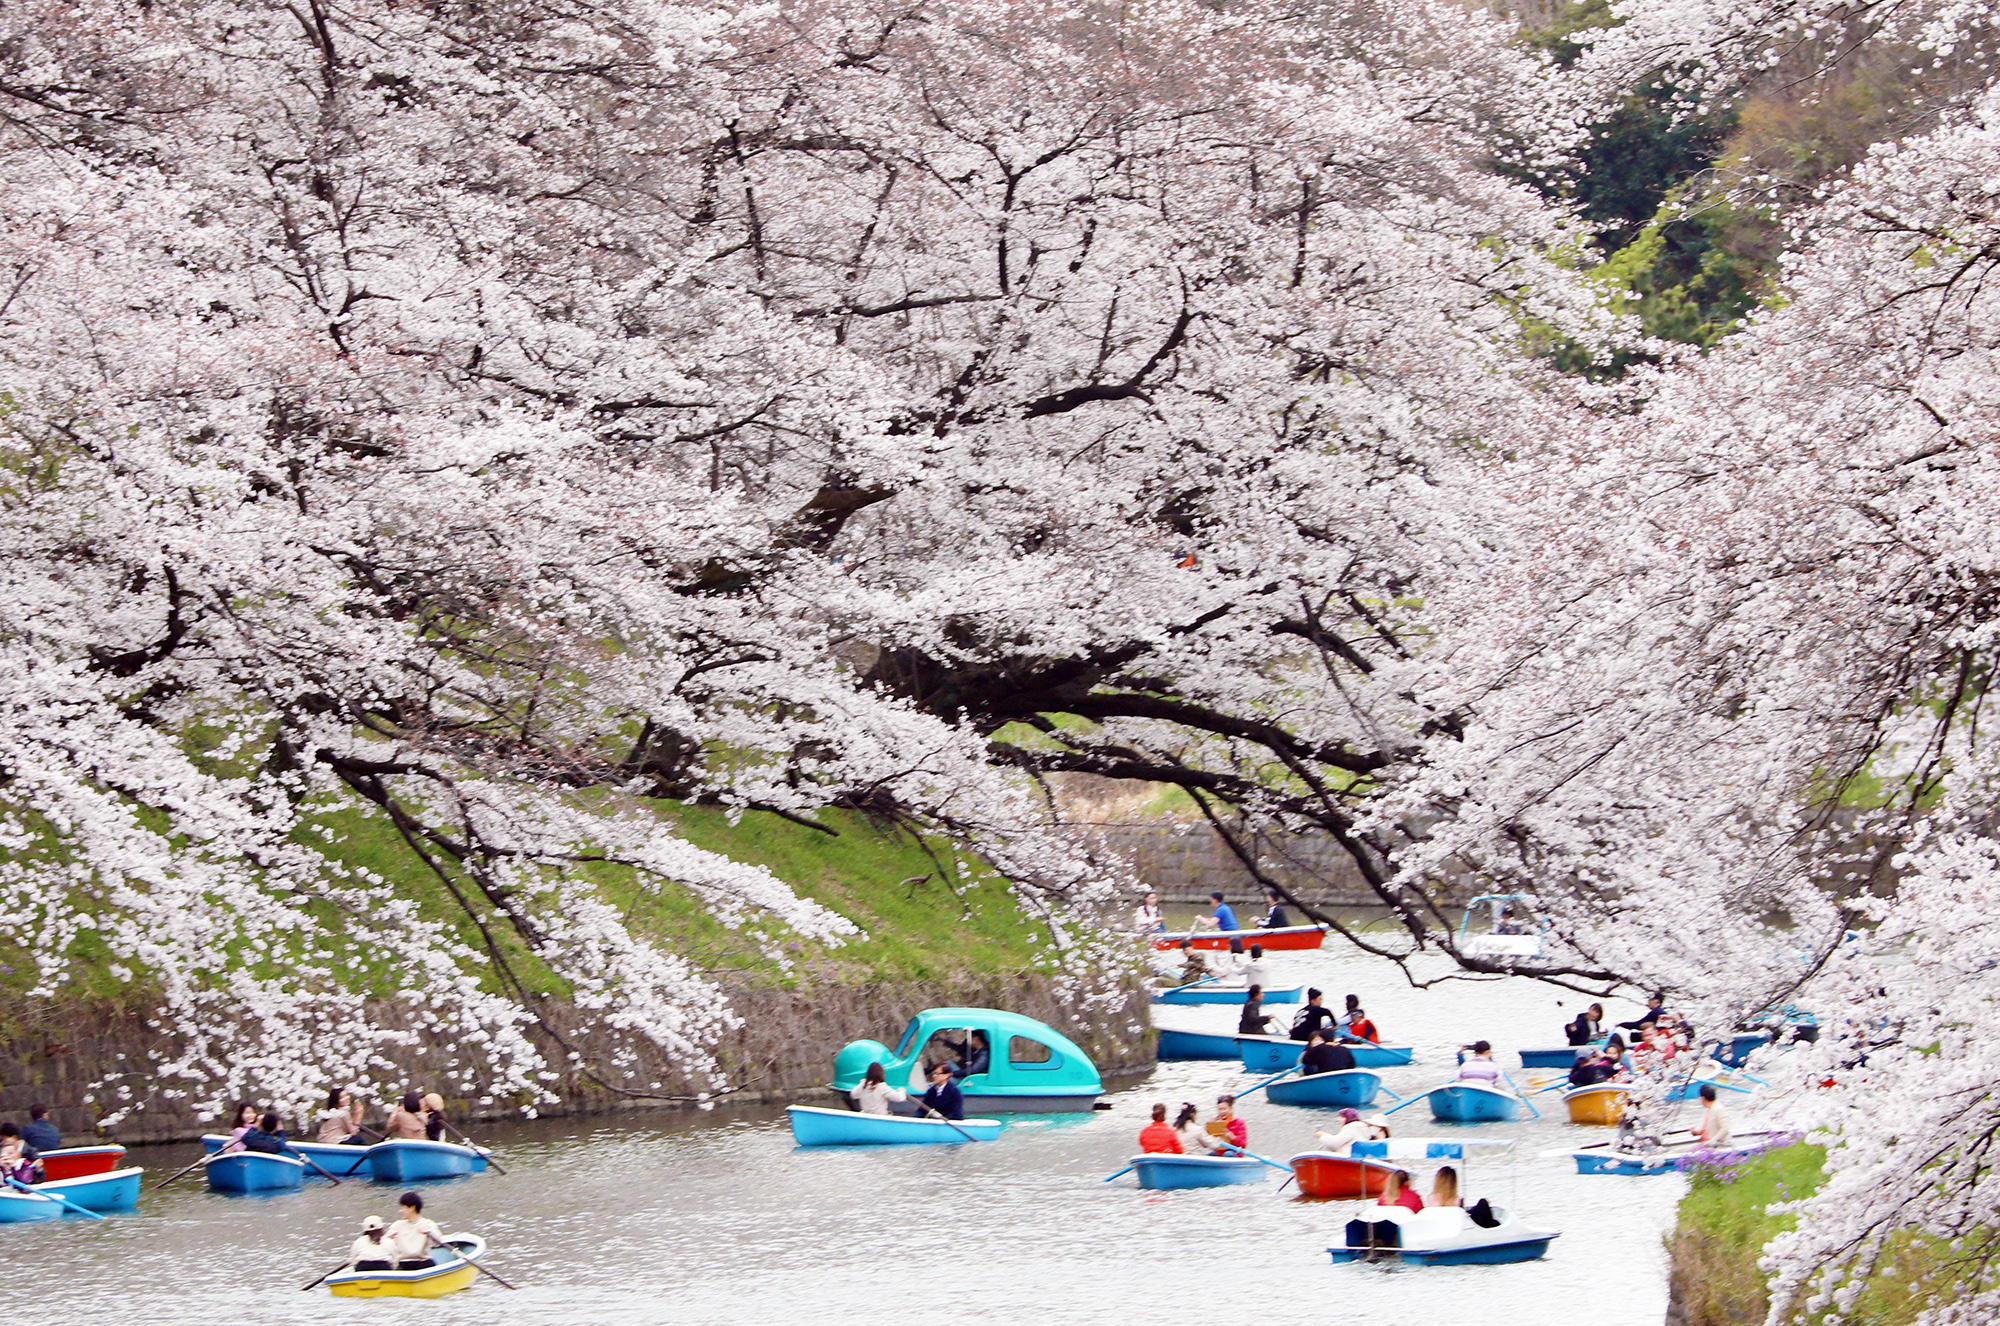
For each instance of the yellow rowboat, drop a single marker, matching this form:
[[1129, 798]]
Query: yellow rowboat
[[451, 1274], [1604, 1103]]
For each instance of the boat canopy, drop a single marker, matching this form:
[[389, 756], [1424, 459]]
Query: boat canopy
[[1026, 1057]]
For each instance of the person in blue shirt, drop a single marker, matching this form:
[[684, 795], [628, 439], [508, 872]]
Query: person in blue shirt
[[39, 1132], [944, 1099], [267, 1137], [1225, 919]]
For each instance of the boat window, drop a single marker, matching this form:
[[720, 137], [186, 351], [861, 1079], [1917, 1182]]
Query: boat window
[[909, 1039], [1025, 1053]]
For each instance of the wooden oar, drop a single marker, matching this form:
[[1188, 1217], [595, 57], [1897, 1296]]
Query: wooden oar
[[323, 1172], [496, 1165], [56, 1197], [433, 1239], [323, 1279], [176, 1174]]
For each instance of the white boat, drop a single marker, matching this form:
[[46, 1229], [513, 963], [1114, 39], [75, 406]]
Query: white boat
[[1442, 1236]]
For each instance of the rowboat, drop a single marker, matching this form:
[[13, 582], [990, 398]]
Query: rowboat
[[451, 1273], [255, 1171], [815, 1126], [1740, 1047], [1364, 1167], [1269, 1054], [1285, 939], [1519, 946], [1563, 1056], [1347, 1088], [19, 1208], [1158, 1170], [1196, 1045], [74, 1162], [1442, 1236], [116, 1190], [410, 1160], [1606, 1158], [1031, 1068], [1474, 1102], [1200, 993], [339, 1161], [1602, 1103]]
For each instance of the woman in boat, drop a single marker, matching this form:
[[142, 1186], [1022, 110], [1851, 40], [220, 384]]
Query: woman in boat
[[1359, 1028], [1194, 1138], [1312, 1017], [1480, 1068], [1583, 1030], [246, 1117], [411, 1237], [1399, 1190], [1146, 919], [944, 1099], [1253, 1018], [1254, 971], [408, 1122], [1159, 1137], [434, 1121], [340, 1121], [1715, 1132], [1444, 1188], [1324, 1055], [16, 1165], [371, 1252], [1353, 1128], [1233, 1131], [1352, 1006], [268, 1137], [875, 1095]]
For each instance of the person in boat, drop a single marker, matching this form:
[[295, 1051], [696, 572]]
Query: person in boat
[[974, 1054], [17, 1161], [268, 1137], [1353, 1128], [1583, 1029], [434, 1120], [1655, 1005], [1509, 923], [1159, 1137], [1325, 1054], [411, 1237], [1715, 1132], [1275, 919], [1194, 1138], [1399, 1189], [944, 1099], [1359, 1028], [1223, 918], [371, 1252], [1193, 966], [1444, 1188], [875, 1095], [1146, 918], [340, 1120], [246, 1123], [1353, 1006], [1254, 971], [38, 1134], [1226, 1129], [408, 1122], [1314, 1016], [1252, 1020], [1480, 1068]]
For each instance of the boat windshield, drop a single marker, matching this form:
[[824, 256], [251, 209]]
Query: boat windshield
[[909, 1040]]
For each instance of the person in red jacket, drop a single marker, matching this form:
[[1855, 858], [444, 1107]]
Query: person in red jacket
[[1159, 1135], [1226, 1128], [1400, 1190], [1361, 1029]]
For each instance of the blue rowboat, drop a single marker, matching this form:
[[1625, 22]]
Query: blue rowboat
[[1382, 1056], [1157, 1171], [1227, 994], [18, 1208], [1563, 1057], [116, 1191], [339, 1161], [1606, 1158], [1272, 1054], [255, 1171], [1349, 1088], [1473, 1102], [1196, 1045], [1740, 1047], [414, 1161], [813, 1125]]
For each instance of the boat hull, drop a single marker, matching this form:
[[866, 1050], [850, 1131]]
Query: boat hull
[[1157, 1172], [20, 1208], [1289, 939], [1351, 1088], [115, 1191], [815, 1126], [339, 1161], [446, 1277], [75, 1162], [1563, 1057], [1739, 1049], [1228, 994], [413, 1161], [1464, 1102], [1444, 1236], [1053, 1102], [255, 1171], [1597, 1105], [1271, 1054], [1181, 1045], [1344, 1178], [1382, 1056]]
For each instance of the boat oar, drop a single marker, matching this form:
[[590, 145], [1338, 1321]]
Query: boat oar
[[1120, 1174], [1522, 1094], [1265, 1083], [497, 1167], [1406, 1104], [56, 1196], [932, 1109], [323, 1279], [1392, 1094], [1254, 1156], [323, 1172], [462, 1257], [190, 1169]]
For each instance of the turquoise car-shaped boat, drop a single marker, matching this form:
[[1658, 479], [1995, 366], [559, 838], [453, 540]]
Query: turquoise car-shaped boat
[[1027, 1066]]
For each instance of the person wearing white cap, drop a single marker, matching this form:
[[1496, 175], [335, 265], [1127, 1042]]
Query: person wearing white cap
[[369, 1252]]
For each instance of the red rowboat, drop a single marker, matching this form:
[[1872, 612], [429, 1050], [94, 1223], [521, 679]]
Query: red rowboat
[[1350, 1178], [1272, 941], [77, 1162]]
